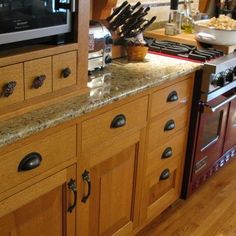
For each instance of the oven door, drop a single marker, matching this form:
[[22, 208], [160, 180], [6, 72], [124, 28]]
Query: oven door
[[211, 133], [230, 137]]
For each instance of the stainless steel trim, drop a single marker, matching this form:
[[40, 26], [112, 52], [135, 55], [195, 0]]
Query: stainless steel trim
[[36, 33], [206, 97], [72, 9], [214, 108]]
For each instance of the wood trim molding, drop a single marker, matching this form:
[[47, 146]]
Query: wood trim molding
[[102, 9]]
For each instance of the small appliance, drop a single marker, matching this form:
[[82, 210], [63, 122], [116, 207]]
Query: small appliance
[[32, 19], [100, 46]]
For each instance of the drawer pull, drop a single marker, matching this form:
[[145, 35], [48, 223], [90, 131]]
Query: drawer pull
[[72, 186], [8, 89], [30, 162], [38, 81], [86, 178], [65, 72], [172, 97], [167, 153], [170, 124], [118, 121], [165, 174]]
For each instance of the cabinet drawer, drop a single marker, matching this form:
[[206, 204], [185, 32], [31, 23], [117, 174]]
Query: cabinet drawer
[[38, 77], [178, 94], [162, 188], [163, 155], [53, 150], [100, 129], [64, 70], [162, 129], [11, 84]]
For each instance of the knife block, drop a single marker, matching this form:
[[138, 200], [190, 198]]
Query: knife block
[[117, 50]]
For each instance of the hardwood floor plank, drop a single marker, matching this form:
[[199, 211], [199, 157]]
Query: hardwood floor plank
[[211, 211]]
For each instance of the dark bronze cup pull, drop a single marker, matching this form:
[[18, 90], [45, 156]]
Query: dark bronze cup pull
[[65, 72], [165, 174], [118, 121], [172, 97], [8, 89], [170, 124], [38, 81], [30, 162], [86, 178], [167, 153], [72, 186]]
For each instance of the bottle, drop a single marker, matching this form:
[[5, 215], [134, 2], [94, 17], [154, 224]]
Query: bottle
[[187, 21]]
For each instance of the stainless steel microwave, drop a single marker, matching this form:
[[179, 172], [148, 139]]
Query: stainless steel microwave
[[30, 19]]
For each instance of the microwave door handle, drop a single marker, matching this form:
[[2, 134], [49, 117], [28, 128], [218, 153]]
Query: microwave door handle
[[214, 108], [68, 6]]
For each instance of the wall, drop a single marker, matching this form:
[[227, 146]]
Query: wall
[[161, 8]]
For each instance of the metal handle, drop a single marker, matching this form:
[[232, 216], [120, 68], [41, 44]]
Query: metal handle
[[214, 108], [38, 81], [30, 161], [63, 5], [118, 121], [65, 72], [86, 178], [72, 186], [8, 89], [168, 152], [165, 174], [172, 97], [170, 124]]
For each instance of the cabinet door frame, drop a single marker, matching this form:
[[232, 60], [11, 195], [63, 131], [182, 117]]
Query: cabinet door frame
[[28, 195], [88, 162]]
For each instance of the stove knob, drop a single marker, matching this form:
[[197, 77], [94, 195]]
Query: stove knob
[[219, 80], [108, 40], [108, 59], [229, 76]]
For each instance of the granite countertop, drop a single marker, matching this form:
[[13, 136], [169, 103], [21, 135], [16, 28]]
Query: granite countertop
[[117, 81]]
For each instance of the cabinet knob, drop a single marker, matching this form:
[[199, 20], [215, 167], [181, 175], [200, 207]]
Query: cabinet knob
[[65, 72], [8, 89], [168, 152], [30, 162], [38, 81], [165, 174], [72, 186], [172, 97], [118, 121], [170, 125]]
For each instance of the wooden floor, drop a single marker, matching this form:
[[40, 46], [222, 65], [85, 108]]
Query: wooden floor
[[211, 211]]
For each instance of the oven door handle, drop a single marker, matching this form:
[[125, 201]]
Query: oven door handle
[[214, 108]]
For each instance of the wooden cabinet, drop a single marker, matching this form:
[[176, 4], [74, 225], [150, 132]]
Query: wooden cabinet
[[111, 155], [41, 209], [38, 186], [165, 148], [38, 77], [127, 161], [11, 84], [64, 70]]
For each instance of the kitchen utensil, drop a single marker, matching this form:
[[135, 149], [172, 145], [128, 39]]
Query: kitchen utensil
[[214, 36], [116, 11]]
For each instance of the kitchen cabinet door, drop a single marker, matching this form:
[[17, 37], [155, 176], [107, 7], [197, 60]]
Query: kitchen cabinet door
[[42, 209], [109, 198]]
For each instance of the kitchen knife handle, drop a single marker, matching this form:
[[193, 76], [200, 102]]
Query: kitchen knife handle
[[116, 11]]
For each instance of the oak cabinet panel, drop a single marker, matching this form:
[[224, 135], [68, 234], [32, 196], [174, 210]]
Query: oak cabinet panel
[[41, 209], [11, 84]]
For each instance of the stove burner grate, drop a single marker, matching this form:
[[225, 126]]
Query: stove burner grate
[[184, 50]]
